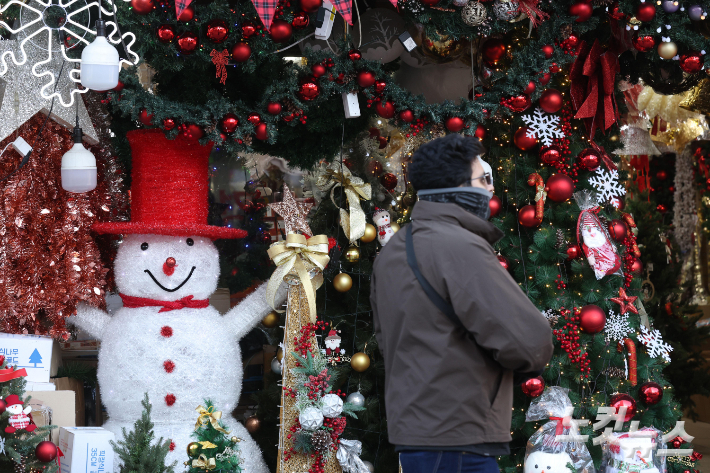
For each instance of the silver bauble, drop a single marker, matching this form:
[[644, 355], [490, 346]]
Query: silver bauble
[[276, 366], [460, 3], [356, 398], [369, 466], [310, 418], [474, 13], [506, 10]]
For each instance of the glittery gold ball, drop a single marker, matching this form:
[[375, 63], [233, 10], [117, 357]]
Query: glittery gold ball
[[271, 320], [279, 354], [667, 50], [360, 362], [193, 449], [370, 233], [252, 424], [234, 439], [395, 226], [352, 254], [342, 282]]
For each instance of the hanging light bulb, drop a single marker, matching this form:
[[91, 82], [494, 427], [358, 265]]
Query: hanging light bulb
[[100, 62], [78, 166]]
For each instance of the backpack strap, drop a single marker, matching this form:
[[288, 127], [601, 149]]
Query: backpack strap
[[443, 305]]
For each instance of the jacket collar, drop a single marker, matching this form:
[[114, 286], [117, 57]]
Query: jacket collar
[[452, 213]]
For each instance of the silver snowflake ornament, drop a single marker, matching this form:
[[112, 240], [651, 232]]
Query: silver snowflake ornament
[[654, 343], [542, 126], [616, 327], [606, 183]]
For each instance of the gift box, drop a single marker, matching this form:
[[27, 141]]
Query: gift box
[[86, 450], [31, 352], [53, 408]]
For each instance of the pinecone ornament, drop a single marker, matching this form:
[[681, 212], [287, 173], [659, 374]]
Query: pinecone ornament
[[20, 466], [560, 235], [320, 440], [565, 32]]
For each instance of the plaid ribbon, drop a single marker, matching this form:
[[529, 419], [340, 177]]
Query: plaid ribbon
[[180, 6], [220, 60], [344, 7], [266, 10]]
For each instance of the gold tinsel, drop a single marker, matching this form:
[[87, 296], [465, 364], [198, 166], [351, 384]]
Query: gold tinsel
[[698, 99]]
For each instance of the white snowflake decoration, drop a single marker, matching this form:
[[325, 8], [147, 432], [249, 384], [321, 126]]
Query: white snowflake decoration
[[655, 344], [616, 327], [543, 127], [2, 446], [606, 183]]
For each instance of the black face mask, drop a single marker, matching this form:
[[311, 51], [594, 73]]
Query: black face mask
[[472, 199]]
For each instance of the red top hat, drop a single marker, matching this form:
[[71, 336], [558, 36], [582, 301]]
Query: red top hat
[[12, 399], [169, 193]]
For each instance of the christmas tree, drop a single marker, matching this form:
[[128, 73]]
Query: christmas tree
[[213, 448]]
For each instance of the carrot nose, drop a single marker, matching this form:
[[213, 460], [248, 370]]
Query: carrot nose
[[169, 266]]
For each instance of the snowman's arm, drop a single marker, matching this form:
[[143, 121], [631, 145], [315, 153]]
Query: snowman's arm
[[251, 310], [90, 319]]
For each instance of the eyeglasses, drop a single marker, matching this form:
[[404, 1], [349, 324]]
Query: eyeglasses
[[486, 177]]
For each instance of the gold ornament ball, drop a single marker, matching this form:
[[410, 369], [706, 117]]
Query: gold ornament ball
[[352, 254], [271, 320], [234, 439], [279, 354], [193, 449], [360, 362], [342, 282], [395, 226], [370, 233], [252, 424], [667, 50]]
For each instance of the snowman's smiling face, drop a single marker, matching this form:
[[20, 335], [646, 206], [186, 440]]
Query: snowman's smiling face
[[167, 268]]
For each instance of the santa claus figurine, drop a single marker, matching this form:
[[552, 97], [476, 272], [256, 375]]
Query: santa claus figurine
[[596, 244], [332, 343], [381, 218], [19, 418]]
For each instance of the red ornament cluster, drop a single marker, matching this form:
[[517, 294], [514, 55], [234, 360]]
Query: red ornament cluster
[[568, 336]]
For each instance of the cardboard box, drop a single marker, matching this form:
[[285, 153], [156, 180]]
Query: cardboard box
[[32, 352], [30, 386], [71, 384], [86, 450], [53, 407]]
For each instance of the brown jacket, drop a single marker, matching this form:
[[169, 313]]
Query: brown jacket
[[442, 387]]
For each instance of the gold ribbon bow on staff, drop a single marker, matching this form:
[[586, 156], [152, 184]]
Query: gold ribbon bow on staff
[[209, 416], [338, 175], [203, 462], [297, 253]]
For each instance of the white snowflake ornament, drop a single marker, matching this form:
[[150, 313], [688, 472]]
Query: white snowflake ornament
[[310, 418], [543, 127], [331, 406], [606, 183], [654, 343], [616, 327]]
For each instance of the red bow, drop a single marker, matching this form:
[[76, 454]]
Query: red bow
[[559, 428], [529, 7], [10, 373], [132, 302]]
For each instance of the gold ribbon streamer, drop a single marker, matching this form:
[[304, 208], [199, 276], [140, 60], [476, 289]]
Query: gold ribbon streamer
[[203, 462], [297, 253], [337, 175], [209, 416]]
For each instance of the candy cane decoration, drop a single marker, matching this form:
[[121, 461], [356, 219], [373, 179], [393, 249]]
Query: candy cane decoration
[[535, 179], [630, 222], [631, 346]]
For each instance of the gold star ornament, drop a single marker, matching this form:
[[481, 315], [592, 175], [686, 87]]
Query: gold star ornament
[[293, 212]]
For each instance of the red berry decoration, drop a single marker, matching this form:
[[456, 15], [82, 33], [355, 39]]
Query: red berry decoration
[[582, 10], [592, 319], [624, 400], [168, 124], [365, 79], [550, 154], [530, 88], [573, 252], [274, 108], [229, 123], [311, 5], [142, 7], [280, 31], [662, 175], [522, 141], [618, 230], [385, 109], [650, 393], [241, 52], [589, 159], [495, 204], [551, 101], [503, 262], [644, 43], [354, 55], [493, 51], [260, 132], [571, 43], [300, 20], [480, 132], [375, 168], [548, 50], [380, 86], [646, 11], [526, 216], [187, 14], [166, 33], [406, 116], [308, 90], [248, 29], [317, 70], [454, 124], [187, 42], [388, 181], [217, 31], [691, 62], [533, 387], [254, 118], [637, 266], [559, 187], [145, 118], [46, 451], [662, 208]]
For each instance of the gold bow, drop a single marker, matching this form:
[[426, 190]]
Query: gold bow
[[303, 256], [203, 462], [209, 416], [338, 175]]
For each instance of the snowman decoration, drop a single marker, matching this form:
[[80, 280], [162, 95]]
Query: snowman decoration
[[381, 218], [544, 462], [167, 340], [19, 417]]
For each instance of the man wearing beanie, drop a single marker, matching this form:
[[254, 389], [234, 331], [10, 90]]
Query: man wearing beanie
[[455, 330]]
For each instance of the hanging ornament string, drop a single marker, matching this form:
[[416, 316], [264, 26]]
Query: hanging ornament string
[[535, 179], [631, 347], [355, 189], [220, 60]]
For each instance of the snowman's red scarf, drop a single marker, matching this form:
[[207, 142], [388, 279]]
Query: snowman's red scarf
[[132, 302]]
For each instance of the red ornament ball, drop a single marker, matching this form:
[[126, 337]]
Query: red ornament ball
[[260, 132], [691, 62], [493, 51], [229, 123], [311, 5], [300, 20], [241, 52], [559, 187], [662, 175], [644, 43], [533, 387], [526, 216], [168, 124], [454, 124], [187, 14], [192, 131], [530, 88], [217, 31], [375, 168], [495, 204], [383, 142], [274, 108], [142, 7], [388, 181], [522, 141], [3, 406], [365, 79], [145, 118], [624, 400], [480, 132], [548, 50], [592, 319], [637, 266], [551, 101], [503, 262], [317, 70], [254, 118], [618, 229], [406, 116], [573, 252], [385, 109], [518, 103], [187, 42], [646, 11], [582, 10], [248, 29], [46, 451], [650, 393], [545, 79], [571, 43], [589, 159], [550, 154], [380, 86], [166, 33], [354, 55], [280, 31], [308, 90]]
